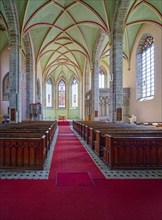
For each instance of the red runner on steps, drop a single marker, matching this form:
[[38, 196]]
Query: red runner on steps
[[63, 122], [70, 155]]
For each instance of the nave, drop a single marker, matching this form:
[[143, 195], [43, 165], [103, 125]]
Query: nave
[[99, 197], [67, 131]]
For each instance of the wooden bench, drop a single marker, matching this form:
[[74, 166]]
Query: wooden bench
[[99, 140], [113, 127], [96, 133], [27, 134], [133, 152], [25, 145], [22, 153], [91, 131]]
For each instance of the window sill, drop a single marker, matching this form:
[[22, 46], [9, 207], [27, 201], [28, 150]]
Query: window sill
[[146, 99]]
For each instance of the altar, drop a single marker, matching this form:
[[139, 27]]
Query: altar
[[62, 117]]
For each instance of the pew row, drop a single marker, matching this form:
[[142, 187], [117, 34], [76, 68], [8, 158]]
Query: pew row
[[25, 145], [22, 153], [133, 152], [117, 150]]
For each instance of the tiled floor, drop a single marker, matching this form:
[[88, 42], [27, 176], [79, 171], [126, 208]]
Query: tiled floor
[[109, 174]]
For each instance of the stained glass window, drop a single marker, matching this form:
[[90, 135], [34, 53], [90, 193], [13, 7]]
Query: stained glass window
[[74, 89], [49, 93], [61, 94]]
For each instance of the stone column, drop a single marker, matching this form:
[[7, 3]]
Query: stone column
[[116, 61], [14, 78], [29, 79], [14, 60], [86, 88], [80, 97], [44, 100], [95, 91], [29, 84], [87, 77], [116, 83]]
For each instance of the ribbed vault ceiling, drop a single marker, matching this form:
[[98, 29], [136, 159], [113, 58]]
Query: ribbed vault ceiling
[[64, 32]]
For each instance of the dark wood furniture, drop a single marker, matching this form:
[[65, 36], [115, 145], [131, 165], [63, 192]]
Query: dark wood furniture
[[122, 145], [25, 145]]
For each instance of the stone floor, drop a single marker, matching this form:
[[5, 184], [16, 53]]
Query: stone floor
[[109, 174]]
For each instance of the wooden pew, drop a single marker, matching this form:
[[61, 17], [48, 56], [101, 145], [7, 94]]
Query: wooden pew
[[99, 142], [133, 152], [96, 134], [25, 145], [113, 127], [22, 153], [27, 134]]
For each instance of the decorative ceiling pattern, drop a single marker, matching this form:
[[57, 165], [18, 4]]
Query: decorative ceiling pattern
[[64, 32]]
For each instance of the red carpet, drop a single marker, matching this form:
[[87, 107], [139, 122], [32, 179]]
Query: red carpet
[[65, 130], [107, 200], [63, 123], [70, 155], [73, 179]]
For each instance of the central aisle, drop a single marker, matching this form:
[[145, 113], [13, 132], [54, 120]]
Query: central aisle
[[70, 156], [95, 198]]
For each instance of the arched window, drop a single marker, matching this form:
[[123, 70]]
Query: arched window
[[49, 93], [145, 69], [61, 94], [101, 79], [74, 93], [6, 87]]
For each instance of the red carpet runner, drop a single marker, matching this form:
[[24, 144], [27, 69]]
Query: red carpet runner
[[70, 156], [108, 200], [63, 123]]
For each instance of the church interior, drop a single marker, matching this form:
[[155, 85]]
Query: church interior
[[81, 109]]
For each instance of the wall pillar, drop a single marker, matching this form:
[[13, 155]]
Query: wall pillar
[[95, 91], [14, 60], [86, 87], [116, 83], [29, 76], [116, 62]]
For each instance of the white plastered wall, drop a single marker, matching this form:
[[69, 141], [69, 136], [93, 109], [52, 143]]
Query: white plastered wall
[[147, 111]]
